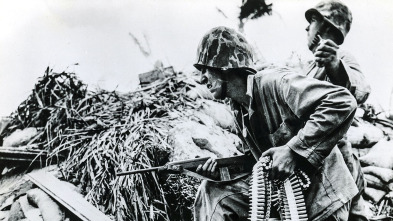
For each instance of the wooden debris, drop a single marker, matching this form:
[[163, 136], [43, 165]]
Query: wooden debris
[[154, 75], [61, 193], [26, 154]]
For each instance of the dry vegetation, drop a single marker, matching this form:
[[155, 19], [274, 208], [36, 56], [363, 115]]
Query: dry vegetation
[[102, 132]]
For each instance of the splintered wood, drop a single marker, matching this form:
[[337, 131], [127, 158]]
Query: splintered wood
[[285, 197], [12, 155], [74, 202]]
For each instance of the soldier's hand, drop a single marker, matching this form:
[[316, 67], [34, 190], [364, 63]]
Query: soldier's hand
[[284, 162], [326, 54], [209, 169]]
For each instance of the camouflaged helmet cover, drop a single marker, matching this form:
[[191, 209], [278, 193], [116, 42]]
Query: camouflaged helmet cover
[[224, 48], [336, 13]]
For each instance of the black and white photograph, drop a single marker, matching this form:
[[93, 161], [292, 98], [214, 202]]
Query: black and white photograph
[[196, 110]]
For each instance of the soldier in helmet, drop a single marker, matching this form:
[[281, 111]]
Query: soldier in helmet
[[330, 22], [294, 119]]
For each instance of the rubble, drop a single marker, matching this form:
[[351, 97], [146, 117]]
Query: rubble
[[182, 140], [15, 202]]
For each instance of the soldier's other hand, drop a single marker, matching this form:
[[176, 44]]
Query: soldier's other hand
[[209, 169], [326, 54], [284, 162]]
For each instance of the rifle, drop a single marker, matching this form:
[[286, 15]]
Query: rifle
[[242, 165]]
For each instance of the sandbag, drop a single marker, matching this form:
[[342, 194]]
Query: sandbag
[[31, 213], [386, 175], [181, 139], [374, 194], [364, 135], [20, 137], [380, 155], [375, 182], [50, 210], [199, 91], [220, 113]]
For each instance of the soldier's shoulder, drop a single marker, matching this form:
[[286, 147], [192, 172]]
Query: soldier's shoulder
[[274, 74]]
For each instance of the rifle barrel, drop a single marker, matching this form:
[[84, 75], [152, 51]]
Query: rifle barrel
[[138, 171]]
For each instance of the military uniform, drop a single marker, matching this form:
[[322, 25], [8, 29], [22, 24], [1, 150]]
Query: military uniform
[[356, 83], [309, 116], [339, 17]]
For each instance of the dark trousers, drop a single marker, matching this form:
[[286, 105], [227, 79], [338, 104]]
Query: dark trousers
[[230, 202]]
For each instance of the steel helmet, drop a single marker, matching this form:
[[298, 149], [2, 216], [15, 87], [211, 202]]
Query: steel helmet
[[223, 48], [336, 14]]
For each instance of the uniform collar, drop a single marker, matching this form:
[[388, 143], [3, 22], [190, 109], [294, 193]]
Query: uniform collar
[[250, 89], [250, 85]]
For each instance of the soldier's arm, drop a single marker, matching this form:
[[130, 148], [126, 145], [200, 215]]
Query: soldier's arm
[[327, 109], [349, 75]]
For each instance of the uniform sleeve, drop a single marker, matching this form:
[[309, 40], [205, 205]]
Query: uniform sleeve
[[357, 83], [327, 110]]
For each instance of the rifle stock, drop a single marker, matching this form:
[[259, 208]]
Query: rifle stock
[[188, 167]]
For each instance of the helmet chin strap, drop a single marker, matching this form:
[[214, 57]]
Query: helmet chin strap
[[224, 85], [224, 90]]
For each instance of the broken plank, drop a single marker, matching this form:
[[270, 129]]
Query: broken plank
[[21, 154], [154, 75], [68, 198]]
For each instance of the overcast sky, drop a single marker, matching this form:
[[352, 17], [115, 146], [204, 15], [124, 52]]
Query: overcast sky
[[97, 36]]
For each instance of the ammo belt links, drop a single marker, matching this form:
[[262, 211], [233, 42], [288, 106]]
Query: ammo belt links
[[286, 197]]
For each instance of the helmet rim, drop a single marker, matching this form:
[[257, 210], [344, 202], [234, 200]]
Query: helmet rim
[[336, 14]]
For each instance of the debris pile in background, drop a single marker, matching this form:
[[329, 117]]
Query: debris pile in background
[[21, 199], [101, 132]]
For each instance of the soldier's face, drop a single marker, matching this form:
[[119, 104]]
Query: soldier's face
[[312, 31], [213, 82]]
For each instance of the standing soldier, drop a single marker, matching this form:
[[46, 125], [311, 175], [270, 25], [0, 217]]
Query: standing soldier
[[295, 120], [330, 22]]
